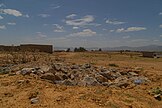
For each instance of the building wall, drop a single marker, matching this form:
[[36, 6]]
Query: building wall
[[148, 54], [40, 48], [28, 47], [9, 48]]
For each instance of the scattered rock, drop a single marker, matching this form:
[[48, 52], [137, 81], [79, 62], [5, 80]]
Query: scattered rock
[[27, 71], [156, 92], [69, 82], [133, 73], [158, 97], [34, 100], [74, 67], [85, 66], [57, 66], [140, 80], [4, 70], [100, 78], [86, 75], [50, 77], [44, 68], [90, 81]]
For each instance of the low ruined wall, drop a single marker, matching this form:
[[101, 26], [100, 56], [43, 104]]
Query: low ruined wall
[[39, 48], [9, 48], [148, 54], [28, 47]]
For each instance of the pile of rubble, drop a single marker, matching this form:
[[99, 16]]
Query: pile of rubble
[[87, 75]]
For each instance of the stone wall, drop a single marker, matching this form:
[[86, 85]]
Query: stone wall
[[148, 54], [28, 47], [40, 48], [9, 48]]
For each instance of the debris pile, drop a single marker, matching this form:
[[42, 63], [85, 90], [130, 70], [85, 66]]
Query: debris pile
[[87, 75]]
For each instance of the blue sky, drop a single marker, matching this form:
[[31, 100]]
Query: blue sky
[[87, 23]]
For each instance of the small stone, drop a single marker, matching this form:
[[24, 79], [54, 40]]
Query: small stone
[[86, 66], [100, 78], [45, 68], [50, 76], [90, 81], [34, 100], [122, 84], [157, 97], [133, 73], [4, 70], [27, 71], [57, 67], [138, 81], [68, 83], [11, 74], [74, 67], [107, 74]]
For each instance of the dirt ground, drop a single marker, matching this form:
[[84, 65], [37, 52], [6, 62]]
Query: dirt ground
[[16, 90]]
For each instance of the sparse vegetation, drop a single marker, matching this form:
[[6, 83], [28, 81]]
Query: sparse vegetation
[[80, 49]]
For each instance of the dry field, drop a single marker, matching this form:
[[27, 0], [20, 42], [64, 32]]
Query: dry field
[[16, 90]]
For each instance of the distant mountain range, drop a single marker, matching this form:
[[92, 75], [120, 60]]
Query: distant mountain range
[[141, 48]]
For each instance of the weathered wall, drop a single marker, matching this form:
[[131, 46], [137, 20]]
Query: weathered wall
[[9, 48], [148, 54], [40, 48], [28, 47]]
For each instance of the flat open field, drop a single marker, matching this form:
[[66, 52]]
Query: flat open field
[[16, 90]]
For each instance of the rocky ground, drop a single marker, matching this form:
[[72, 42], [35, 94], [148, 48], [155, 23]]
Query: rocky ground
[[83, 80]]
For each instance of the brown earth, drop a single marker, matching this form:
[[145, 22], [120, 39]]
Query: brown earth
[[16, 91]]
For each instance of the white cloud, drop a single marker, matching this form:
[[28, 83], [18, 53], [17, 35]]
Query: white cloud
[[140, 40], [160, 13], [156, 40], [45, 24], [111, 30], [135, 29], [2, 5], [41, 35], [11, 12], [75, 28], [114, 22], [84, 33], [120, 30], [80, 22], [131, 29], [58, 28], [11, 23], [27, 16], [160, 26], [2, 27], [126, 37], [1, 17], [71, 16], [54, 6], [44, 15]]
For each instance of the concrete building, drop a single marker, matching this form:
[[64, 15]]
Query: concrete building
[[151, 54]]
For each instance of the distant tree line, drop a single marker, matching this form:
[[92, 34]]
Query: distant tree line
[[80, 49]]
